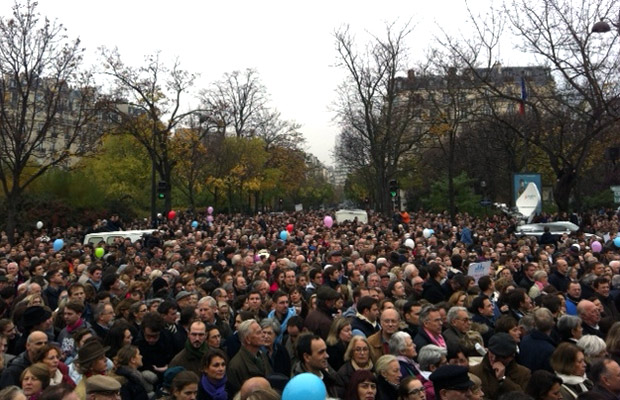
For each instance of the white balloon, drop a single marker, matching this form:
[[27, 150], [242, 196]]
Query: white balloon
[[409, 243], [39, 225], [427, 232]]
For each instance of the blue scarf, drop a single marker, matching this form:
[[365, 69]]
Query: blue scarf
[[217, 390]]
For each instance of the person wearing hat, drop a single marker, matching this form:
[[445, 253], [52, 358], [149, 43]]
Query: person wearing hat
[[320, 319], [183, 298], [451, 382], [498, 371], [34, 318], [101, 387], [91, 361]]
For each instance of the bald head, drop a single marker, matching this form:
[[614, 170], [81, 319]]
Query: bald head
[[253, 384], [588, 312], [36, 340]]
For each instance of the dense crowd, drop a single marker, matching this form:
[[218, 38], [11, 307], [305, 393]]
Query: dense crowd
[[222, 307]]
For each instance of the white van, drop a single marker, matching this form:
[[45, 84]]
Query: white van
[[108, 237], [350, 215]]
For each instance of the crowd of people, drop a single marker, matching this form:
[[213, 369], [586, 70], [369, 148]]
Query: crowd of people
[[233, 307]]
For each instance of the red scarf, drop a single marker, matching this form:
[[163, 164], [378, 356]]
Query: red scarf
[[78, 323]]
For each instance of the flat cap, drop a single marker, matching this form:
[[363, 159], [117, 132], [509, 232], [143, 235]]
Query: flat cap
[[451, 377], [502, 344], [182, 294], [102, 384]]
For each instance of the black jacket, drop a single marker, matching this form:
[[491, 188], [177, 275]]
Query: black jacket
[[132, 384], [433, 291], [10, 376]]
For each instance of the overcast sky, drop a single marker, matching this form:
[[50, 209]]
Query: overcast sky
[[290, 43]]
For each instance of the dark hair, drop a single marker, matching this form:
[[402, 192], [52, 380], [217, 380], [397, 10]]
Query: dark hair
[[366, 303], [515, 298], [478, 303], [76, 306], [56, 392], [563, 358], [154, 321], [541, 383], [210, 355], [165, 306], [359, 376], [598, 369], [304, 345], [505, 323], [183, 379], [403, 388], [115, 337], [297, 321]]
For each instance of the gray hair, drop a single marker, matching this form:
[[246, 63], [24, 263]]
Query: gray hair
[[270, 323], [453, 313], [567, 323], [209, 300], [591, 345], [539, 274], [425, 311], [98, 310], [244, 329], [383, 362], [430, 355], [397, 342], [543, 319]]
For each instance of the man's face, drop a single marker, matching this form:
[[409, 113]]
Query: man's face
[[434, 322], [487, 308], [389, 321], [602, 289], [574, 290], [96, 275], [413, 316], [197, 334], [254, 301], [107, 315], [78, 294], [318, 359], [592, 315], [282, 305], [373, 281], [599, 269], [255, 337], [289, 278], [611, 380], [399, 290], [206, 312], [240, 283], [37, 341], [171, 316], [529, 272], [562, 266], [462, 322], [70, 316], [151, 336]]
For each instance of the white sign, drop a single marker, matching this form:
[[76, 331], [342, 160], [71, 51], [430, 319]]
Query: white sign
[[478, 270], [299, 207]]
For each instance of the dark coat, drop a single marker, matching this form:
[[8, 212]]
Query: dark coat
[[187, 360], [319, 322], [364, 326], [559, 281], [336, 354], [10, 375], [244, 365], [535, 351], [421, 339], [432, 291], [517, 377], [132, 384], [385, 390], [280, 360], [334, 385], [159, 354]]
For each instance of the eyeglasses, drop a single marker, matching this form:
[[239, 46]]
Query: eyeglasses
[[417, 391], [361, 349]]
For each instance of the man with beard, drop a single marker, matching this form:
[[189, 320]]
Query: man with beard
[[195, 348]]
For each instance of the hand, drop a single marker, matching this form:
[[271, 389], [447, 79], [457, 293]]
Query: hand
[[499, 368]]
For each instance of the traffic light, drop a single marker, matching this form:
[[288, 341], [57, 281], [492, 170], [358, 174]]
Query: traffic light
[[393, 188], [162, 188]]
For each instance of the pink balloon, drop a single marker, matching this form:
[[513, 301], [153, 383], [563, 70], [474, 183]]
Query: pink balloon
[[328, 221], [596, 246], [210, 218], [210, 210], [172, 214]]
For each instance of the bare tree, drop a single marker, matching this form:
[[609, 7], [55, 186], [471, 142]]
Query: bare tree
[[276, 131], [147, 103], [563, 120], [47, 103], [376, 118]]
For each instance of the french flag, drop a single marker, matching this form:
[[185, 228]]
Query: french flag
[[523, 97]]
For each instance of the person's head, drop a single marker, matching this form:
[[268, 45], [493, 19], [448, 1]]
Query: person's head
[[390, 319], [543, 385], [250, 335], [50, 356], [568, 359], [430, 319], [482, 305], [451, 382], [34, 379], [281, 302], [543, 319], [388, 367], [431, 357], [401, 344], [593, 346], [358, 350], [588, 312], [184, 386], [574, 289], [197, 334], [569, 327], [459, 319], [91, 357], [509, 325], [12, 393], [35, 341], [73, 312], [152, 325], [368, 307], [340, 330], [312, 352], [270, 331], [411, 312], [62, 391], [362, 386], [256, 384], [502, 348], [214, 337], [213, 364], [128, 356], [411, 388]]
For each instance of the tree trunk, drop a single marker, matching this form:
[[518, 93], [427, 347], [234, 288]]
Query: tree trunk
[[12, 200], [566, 182]]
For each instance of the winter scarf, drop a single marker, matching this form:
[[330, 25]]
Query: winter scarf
[[217, 389]]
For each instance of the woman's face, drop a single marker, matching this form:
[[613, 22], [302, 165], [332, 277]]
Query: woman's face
[[346, 333], [515, 332], [51, 359], [216, 369], [188, 392], [392, 373], [100, 365], [415, 390], [577, 332], [31, 385], [127, 337], [554, 393], [361, 353], [461, 301], [366, 390], [580, 365], [410, 348], [190, 286], [295, 296]]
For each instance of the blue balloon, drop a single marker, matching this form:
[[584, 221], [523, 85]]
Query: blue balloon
[[304, 386], [194, 224], [617, 241], [58, 244], [284, 235]]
